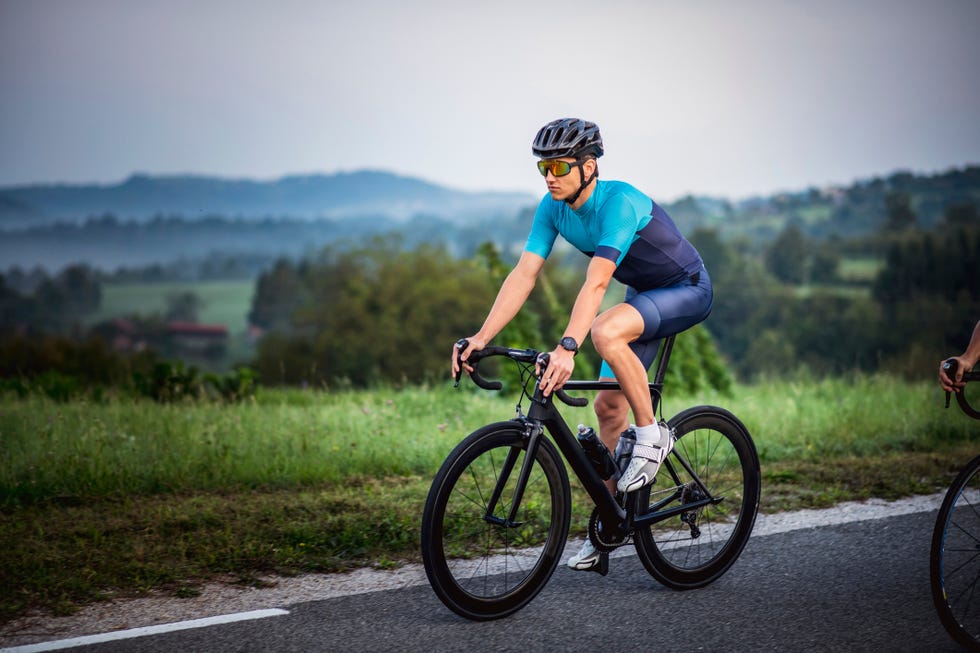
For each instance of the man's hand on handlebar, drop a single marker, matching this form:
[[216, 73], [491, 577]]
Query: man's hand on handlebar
[[461, 354], [561, 364]]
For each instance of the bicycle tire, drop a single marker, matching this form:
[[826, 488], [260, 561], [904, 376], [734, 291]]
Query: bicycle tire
[[719, 448], [954, 558], [483, 570]]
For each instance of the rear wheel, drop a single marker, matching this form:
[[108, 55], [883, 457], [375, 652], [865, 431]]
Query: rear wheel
[[479, 565], [713, 458]]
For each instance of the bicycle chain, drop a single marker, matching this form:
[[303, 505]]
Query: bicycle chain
[[595, 528]]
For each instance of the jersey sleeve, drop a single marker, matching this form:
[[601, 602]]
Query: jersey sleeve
[[543, 230], [619, 225]]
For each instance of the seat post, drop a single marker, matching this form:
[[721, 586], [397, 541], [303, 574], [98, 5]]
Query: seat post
[[664, 357]]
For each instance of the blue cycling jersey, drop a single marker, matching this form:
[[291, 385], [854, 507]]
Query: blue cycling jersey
[[622, 224]]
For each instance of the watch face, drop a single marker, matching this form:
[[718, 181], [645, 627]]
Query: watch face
[[569, 343]]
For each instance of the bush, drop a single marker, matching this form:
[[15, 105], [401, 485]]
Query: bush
[[63, 369]]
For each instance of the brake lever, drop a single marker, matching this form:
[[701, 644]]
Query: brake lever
[[542, 362], [543, 359], [949, 367], [461, 346]]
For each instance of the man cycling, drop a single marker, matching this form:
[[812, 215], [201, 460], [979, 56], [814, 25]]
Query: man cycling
[[628, 238]]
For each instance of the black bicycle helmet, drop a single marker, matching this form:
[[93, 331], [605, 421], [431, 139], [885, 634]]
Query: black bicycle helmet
[[568, 137]]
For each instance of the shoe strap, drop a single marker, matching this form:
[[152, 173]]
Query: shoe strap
[[649, 451]]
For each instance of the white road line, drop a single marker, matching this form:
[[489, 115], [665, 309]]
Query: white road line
[[147, 630]]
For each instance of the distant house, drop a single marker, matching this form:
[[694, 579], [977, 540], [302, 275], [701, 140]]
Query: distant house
[[190, 340], [193, 337]]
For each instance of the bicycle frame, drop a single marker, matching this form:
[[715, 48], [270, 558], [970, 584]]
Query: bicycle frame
[[543, 415]]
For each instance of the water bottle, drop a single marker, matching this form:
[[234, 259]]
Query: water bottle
[[624, 450], [602, 461]]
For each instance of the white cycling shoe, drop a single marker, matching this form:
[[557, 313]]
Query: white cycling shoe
[[644, 465], [586, 558]]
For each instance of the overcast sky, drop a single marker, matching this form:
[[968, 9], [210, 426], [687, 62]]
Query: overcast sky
[[722, 98]]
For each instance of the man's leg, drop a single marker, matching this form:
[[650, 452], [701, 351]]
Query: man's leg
[[612, 333], [612, 413], [612, 406]]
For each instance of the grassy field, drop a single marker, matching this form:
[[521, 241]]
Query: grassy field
[[860, 270], [224, 302], [122, 497]]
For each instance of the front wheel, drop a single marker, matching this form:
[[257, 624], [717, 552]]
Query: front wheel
[[714, 459], [954, 561], [480, 564]]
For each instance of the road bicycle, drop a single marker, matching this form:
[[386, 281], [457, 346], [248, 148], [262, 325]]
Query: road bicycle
[[954, 559], [497, 514]]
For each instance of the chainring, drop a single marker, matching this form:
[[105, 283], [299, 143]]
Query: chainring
[[596, 536]]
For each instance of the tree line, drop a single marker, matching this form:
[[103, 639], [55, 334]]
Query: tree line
[[369, 314], [387, 309]]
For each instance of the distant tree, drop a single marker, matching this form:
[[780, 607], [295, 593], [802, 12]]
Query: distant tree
[[11, 307], [81, 287], [786, 258], [61, 302], [942, 264], [525, 329], [899, 215], [747, 301], [825, 263], [278, 293], [375, 314], [716, 254], [183, 307], [962, 215]]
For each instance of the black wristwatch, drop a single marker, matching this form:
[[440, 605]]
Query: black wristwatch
[[569, 343]]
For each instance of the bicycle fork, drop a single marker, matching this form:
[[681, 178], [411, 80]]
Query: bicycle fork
[[612, 513], [534, 433]]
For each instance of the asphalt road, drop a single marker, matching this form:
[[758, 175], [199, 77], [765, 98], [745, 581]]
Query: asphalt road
[[862, 586]]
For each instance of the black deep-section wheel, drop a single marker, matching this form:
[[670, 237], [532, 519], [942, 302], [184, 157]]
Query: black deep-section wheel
[[479, 565], [954, 561], [694, 548]]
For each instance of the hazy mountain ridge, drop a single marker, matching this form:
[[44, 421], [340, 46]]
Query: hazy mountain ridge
[[429, 214], [344, 194]]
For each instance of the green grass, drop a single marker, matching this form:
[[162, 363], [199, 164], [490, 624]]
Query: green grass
[[860, 269], [841, 290], [281, 439], [117, 498]]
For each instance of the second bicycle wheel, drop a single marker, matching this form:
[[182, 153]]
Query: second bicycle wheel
[[954, 563], [481, 565], [713, 458]]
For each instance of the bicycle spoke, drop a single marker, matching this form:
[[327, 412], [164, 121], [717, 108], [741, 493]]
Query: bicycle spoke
[[696, 546], [484, 567], [955, 558]]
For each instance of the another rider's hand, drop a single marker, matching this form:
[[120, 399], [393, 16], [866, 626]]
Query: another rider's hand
[[560, 366], [475, 343], [956, 383]]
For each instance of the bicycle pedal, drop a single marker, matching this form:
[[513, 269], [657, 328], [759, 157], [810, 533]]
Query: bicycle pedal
[[602, 568]]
